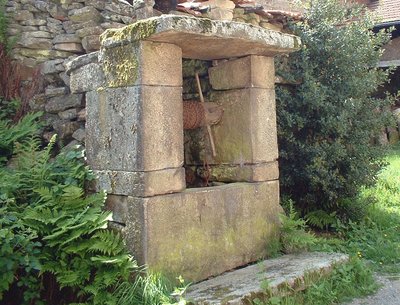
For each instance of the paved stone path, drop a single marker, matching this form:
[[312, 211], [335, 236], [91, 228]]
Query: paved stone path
[[388, 294]]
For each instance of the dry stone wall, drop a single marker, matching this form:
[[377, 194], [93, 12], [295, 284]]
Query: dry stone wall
[[50, 33]]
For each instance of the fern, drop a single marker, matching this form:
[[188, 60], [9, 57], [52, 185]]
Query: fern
[[294, 237], [321, 219]]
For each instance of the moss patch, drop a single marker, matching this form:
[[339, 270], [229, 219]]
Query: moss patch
[[137, 31], [120, 65]]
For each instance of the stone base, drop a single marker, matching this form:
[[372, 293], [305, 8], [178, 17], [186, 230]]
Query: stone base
[[242, 286], [201, 232]]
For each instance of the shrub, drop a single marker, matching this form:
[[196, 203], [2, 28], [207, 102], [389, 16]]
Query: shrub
[[326, 123], [55, 247]]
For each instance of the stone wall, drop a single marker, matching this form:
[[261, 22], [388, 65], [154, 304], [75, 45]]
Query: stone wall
[[50, 33]]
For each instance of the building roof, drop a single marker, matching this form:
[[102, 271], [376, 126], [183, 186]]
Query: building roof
[[385, 10]]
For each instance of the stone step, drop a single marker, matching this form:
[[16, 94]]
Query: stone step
[[241, 286]]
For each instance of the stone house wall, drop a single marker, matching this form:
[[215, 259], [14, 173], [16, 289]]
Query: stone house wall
[[50, 33]]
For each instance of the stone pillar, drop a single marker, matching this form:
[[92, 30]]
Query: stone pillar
[[135, 120], [246, 137]]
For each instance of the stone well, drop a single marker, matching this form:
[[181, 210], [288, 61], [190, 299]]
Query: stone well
[[135, 141]]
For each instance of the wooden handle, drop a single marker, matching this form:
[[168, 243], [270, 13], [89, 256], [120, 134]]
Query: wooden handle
[[214, 153]]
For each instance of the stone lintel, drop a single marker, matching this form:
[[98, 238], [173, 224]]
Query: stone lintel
[[201, 232], [136, 128], [245, 72], [141, 184], [209, 39], [244, 173]]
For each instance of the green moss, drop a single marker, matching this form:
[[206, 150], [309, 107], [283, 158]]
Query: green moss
[[137, 31], [120, 66]]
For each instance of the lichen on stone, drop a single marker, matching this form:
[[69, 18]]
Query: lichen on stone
[[137, 31], [120, 65]]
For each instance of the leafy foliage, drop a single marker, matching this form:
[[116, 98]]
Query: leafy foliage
[[376, 236], [55, 245], [326, 123], [294, 237]]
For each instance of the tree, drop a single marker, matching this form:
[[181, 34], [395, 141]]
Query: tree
[[327, 121]]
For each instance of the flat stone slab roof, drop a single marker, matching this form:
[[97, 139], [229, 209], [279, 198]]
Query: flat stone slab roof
[[201, 38], [239, 286]]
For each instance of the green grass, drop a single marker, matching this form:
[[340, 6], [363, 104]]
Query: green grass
[[373, 243], [345, 282], [376, 237]]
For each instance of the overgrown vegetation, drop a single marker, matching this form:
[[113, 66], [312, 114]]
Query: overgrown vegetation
[[376, 236], [55, 245], [346, 281], [328, 117]]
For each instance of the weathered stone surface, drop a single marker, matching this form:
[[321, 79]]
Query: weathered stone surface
[[57, 11], [208, 38], [247, 131], [38, 102], [52, 91], [33, 22], [99, 4], [120, 9], [41, 5], [127, 20], [65, 128], [35, 43], [88, 31], [82, 115], [37, 34], [81, 61], [49, 67], [146, 63], [43, 55], [61, 103], [149, 138], [245, 72], [70, 27], [22, 15], [241, 286], [87, 78], [110, 16], [80, 135], [66, 38], [85, 14], [68, 114], [112, 25], [247, 173], [202, 232], [91, 43], [69, 46], [141, 184], [65, 78]]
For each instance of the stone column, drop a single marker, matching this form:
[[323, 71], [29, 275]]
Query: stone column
[[135, 120], [246, 138]]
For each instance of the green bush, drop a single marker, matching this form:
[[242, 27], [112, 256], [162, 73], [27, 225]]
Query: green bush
[[55, 247], [328, 117]]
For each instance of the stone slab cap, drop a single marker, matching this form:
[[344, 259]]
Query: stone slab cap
[[241, 286], [81, 61], [209, 39]]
